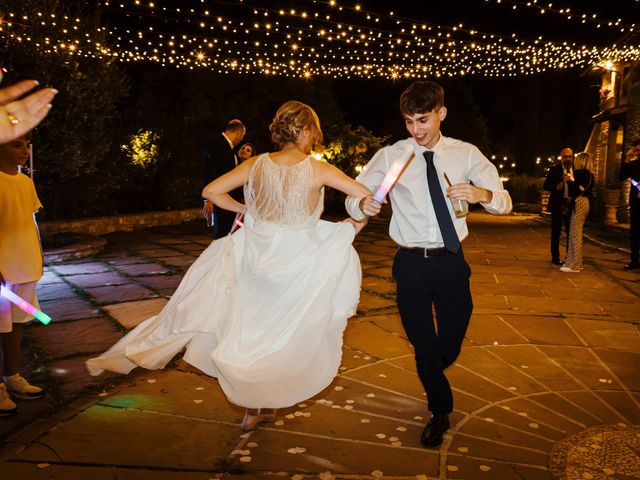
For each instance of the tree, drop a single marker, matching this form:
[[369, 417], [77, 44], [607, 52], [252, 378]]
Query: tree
[[75, 151]]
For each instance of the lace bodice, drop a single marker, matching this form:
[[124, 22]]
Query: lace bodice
[[282, 194]]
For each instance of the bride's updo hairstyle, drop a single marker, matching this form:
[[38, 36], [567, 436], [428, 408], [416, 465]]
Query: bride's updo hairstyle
[[291, 118]]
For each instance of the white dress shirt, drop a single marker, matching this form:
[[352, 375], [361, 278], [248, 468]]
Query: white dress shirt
[[414, 223]]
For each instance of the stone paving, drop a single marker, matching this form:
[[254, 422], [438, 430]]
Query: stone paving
[[547, 385]]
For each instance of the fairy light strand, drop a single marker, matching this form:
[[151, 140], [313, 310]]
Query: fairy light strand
[[309, 43]]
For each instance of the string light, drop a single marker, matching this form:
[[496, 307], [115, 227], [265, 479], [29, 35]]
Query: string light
[[569, 14], [305, 44]]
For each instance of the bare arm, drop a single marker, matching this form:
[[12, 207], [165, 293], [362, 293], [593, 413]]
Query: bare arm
[[335, 178], [216, 191]]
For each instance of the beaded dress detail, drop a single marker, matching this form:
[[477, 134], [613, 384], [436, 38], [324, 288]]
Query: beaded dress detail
[[263, 309], [282, 193]]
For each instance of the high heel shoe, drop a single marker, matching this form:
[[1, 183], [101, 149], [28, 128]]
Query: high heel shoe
[[253, 417]]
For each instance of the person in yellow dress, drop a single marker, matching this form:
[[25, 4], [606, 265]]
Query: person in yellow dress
[[20, 268]]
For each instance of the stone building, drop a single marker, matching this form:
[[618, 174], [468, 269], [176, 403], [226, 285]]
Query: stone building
[[615, 125]]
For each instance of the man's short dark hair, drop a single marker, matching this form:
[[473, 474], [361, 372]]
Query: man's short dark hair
[[421, 97], [234, 126]]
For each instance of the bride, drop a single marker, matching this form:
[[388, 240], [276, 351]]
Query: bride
[[263, 309]]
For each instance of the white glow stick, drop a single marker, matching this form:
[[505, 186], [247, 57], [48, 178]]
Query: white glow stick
[[635, 184], [393, 174], [22, 304]]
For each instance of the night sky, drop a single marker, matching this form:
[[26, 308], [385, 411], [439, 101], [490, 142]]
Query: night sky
[[372, 102]]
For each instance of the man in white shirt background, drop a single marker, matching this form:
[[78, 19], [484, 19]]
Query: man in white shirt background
[[429, 267]]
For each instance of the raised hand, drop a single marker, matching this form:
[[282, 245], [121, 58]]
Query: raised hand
[[17, 117]]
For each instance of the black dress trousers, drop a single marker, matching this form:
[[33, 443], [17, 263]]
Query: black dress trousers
[[428, 285]]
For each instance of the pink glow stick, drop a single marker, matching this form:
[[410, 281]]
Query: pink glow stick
[[393, 174], [237, 223], [22, 304], [635, 184]]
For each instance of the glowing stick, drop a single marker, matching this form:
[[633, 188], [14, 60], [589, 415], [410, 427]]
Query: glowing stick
[[237, 223], [635, 184], [393, 174], [24, 305]]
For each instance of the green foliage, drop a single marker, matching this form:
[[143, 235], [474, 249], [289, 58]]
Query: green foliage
[[142, 148], [524, 188], [349, 150]]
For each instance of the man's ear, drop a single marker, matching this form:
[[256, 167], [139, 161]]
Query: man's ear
[[442, 113]]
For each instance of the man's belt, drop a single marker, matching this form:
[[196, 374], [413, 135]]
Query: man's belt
[[426, 252]]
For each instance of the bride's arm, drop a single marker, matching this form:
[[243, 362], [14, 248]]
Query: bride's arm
[[336, 178], [216, 191]]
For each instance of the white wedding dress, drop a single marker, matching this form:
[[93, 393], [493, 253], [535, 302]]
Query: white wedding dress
[[263, 309]]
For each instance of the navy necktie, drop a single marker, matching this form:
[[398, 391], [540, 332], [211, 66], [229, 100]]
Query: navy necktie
[[448, 231]]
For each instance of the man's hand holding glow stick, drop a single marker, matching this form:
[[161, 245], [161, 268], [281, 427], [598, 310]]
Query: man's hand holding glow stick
[[393, 174], [22, 304]]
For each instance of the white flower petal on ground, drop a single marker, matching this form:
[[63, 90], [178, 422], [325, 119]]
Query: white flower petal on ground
[[401, 429], [252, 444], [463, 449], [279, 422], [371, 395], [245, 459], [377, 474], [381, 435], [338, 388], [296, 450], [365, 420], [199, 388], [484, 468], [197, 401]]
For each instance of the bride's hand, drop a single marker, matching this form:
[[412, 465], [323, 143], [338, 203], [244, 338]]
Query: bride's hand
[[357, 225]]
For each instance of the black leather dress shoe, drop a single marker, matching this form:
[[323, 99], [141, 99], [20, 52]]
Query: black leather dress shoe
[[632, 266], [434, 431], [557, 261]]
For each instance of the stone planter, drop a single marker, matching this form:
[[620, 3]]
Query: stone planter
[[611, 203]]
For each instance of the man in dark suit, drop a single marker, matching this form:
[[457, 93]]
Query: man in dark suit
[[219, 158], [556, 184], [631, 169]]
